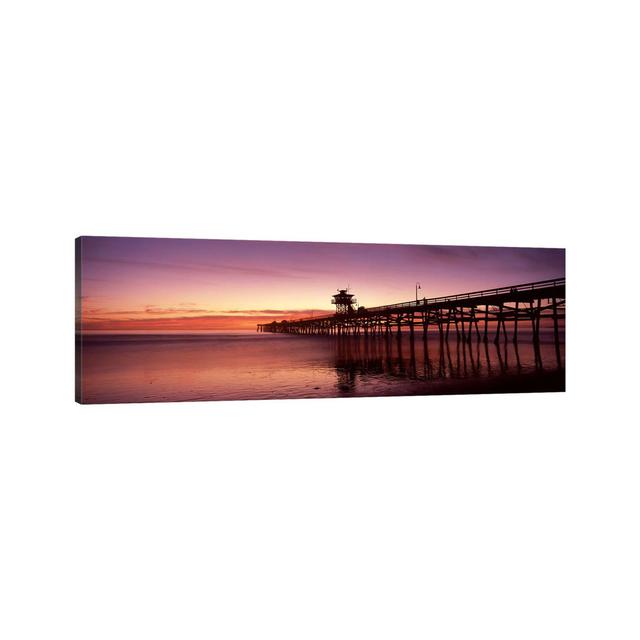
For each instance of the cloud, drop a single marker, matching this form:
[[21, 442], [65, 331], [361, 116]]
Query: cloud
[[274, 312], [191, 323], [198, 268], [101, 313], [230, 319], [173, 310]]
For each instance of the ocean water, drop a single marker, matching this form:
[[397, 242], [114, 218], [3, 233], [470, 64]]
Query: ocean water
[[248, 365]]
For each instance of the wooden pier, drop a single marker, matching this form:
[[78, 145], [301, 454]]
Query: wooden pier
[[504, 310]]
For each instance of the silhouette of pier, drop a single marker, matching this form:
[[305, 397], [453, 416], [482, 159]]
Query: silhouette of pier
[[505, 311]]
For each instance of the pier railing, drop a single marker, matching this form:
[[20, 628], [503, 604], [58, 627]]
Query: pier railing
[[412, 304], [519, 288]]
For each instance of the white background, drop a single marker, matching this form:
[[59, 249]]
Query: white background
[[502, 123]]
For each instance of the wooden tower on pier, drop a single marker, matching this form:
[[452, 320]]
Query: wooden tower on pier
[[345, 302]]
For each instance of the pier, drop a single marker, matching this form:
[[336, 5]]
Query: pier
[[496, 314]]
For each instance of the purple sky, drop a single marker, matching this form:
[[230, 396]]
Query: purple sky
[[137, 278]]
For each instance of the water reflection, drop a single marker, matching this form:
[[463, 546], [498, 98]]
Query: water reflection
[[367, 360], [234, 366]]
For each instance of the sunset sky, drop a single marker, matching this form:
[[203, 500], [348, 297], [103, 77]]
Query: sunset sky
[[154, 284]]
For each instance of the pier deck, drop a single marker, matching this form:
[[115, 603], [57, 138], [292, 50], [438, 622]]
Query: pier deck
[[466, 314]]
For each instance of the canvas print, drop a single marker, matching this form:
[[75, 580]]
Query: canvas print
[[165, 320]]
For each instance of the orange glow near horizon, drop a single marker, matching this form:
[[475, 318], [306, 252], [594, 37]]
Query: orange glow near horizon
[[147, 284], [212, 322]]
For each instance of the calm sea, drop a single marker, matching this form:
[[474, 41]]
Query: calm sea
[[248, 365]]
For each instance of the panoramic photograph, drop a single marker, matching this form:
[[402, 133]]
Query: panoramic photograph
[[168, 320]]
